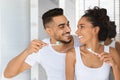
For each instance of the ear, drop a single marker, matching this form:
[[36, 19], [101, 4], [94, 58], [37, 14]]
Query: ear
[[96, 30], [48, 30]]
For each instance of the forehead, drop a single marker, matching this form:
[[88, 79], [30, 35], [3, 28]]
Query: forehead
[[84, 20], [60, 19]]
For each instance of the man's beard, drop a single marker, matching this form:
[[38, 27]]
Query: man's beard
[[63, 41], [66, 42]]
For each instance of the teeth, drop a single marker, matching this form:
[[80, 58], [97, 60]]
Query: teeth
[[67, 35], [80, 36]]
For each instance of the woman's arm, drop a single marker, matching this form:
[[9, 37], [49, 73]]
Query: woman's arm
[[117, 46], [116, 64], [70, 64]]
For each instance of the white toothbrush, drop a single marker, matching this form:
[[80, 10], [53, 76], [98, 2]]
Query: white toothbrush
[[57, 44], [89, 49]]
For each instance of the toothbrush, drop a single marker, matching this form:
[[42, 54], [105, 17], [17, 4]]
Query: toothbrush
[[89, 49], [57, 44]]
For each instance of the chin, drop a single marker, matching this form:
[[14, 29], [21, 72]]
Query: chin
[[66, 41]]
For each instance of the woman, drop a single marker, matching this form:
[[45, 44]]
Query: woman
[[92, 61]]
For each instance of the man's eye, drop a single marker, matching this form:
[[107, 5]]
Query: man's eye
[[62, 26]]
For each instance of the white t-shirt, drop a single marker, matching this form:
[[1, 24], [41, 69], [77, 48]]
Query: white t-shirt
[[82, 72], [52, 61]]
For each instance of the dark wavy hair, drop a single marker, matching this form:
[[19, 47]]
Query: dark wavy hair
[[47, 16], [112, 30], [99, 18]]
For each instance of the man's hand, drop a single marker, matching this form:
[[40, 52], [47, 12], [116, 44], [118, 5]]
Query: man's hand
[[35, 46]]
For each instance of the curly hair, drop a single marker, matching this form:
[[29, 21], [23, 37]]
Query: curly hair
[[99, 18], [112, 30]]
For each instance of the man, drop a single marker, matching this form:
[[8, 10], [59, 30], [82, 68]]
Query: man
[[51, 57]]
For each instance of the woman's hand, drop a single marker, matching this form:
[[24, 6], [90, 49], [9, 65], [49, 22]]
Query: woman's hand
[[107, 57]]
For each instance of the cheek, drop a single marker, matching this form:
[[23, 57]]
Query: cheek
[[77, 32], [87, 34], [57, 32]]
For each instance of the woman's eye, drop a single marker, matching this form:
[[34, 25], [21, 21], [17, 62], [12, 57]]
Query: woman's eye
[[80, 27]]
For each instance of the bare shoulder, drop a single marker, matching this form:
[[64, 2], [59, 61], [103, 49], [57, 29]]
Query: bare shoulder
[[71, 54], [117, 46], [71, 51], [113, 51], [115, 55]]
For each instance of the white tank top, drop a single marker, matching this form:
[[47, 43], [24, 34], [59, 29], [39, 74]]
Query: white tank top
[[83, 72]]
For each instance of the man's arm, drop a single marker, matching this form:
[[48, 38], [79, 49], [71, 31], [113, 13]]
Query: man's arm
[[17, 64]]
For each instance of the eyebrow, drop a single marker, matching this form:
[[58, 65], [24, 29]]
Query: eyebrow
[[63, 24], [80, 25]]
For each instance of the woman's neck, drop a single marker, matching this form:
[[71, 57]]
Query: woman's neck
[[94, 45]]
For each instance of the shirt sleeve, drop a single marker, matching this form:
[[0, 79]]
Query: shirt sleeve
[[31, 59]]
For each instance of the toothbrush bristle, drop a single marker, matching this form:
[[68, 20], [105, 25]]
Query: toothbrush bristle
[[58, 43]]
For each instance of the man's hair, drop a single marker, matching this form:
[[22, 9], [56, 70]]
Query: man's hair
[[47, 16]]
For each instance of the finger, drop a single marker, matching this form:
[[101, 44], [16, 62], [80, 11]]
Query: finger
[[36, 47], [111, 62], [102, 53], [104, 56], [35, 50], [39, 42], [108, 59]]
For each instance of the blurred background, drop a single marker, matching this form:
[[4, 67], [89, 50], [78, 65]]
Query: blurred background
[[20, 22]]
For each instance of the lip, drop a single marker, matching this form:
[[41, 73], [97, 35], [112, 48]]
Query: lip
[[68, 36]]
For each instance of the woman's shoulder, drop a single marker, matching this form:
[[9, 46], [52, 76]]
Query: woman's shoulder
[[114, 53], [117, 46]]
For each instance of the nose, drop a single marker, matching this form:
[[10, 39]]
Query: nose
[[76, 31], [68, 29]]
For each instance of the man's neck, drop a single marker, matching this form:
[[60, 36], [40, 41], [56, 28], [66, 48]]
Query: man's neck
[[63, 48]]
